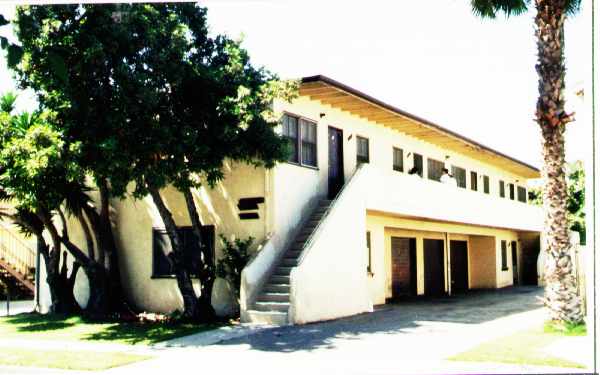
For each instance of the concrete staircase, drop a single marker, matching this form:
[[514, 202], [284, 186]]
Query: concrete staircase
[[272, 304]]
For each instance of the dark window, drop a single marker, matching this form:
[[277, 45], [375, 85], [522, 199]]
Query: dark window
[[161, 245], [473, 180], [486, 184], [369, 269], [460, 175], [308, 132], [302, 137], [290, 131], [504, 255], [521, 194], [434, 169], [362, 150], [418, 163], [502, 193], [398, 160], [511, 191]]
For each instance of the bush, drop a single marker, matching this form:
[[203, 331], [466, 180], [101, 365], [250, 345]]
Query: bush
[[235, 257]]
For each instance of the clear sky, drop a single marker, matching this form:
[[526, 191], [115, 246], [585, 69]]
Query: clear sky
[[432, 58]]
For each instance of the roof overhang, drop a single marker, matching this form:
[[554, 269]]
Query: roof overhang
[[345, 98]]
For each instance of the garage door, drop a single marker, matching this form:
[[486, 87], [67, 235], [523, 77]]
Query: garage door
[[433, 253], [459, 266], [404, 267]]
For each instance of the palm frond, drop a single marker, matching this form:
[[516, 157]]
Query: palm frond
[[7, 102], [76, 197], [491, 8], [572, 7]]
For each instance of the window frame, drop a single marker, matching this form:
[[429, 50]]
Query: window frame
[[396, 167], [454, 169], [523, 190], [299, 140], [511, 191], [418, 156], [501, 189], [504, 255], [180, 229], [431, 162], [359, 158], [486, 184], [474, 182]]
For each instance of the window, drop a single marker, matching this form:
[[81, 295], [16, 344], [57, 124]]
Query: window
[[502, 193], [161, 245], [290, 131], [521, 194], [369, 269], [362, 150], [434, 169], [302, 137], [418, 163], [504, 255], [486, 184], [460, 175], [398, 159], [511, 191], [473, 181], [308, 132]]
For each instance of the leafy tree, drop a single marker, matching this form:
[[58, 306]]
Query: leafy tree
[[40, 179], [561, 287], [153, 100]]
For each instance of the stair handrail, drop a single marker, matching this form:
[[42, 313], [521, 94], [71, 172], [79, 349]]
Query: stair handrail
[[16, 252], [334, 203]]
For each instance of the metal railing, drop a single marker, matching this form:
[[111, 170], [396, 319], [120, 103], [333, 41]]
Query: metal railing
[[15, 252]]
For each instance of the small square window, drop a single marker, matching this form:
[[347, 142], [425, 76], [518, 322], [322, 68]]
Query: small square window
[[398, 163], [362, 150]]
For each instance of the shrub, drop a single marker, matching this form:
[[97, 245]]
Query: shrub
[[235, 257]]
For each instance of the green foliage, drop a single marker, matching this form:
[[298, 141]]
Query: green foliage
[[235, 257], [491, 8], [565, 328], [151, 97], [576, 199]]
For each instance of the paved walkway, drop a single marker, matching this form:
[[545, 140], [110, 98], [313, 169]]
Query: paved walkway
[[16, 307]]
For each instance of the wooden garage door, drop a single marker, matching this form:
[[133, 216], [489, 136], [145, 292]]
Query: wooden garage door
[[459, 266], [404, 267], [433, 254]]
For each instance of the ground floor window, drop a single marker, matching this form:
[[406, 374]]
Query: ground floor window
[[161, 245], [504, 255]]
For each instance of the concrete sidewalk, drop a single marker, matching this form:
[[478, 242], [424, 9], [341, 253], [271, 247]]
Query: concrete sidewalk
[[16, 307]]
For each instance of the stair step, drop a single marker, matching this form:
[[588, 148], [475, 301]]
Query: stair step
[[324, 202], [268, 317], [283, 271], [289, 262], [277, 288], [279, 279], [273, 297], [272, 306], [293, 254]]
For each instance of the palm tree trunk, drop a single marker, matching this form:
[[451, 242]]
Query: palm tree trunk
[[561, 287]]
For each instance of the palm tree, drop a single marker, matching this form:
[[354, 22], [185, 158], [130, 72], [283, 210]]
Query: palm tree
[[561, 286]]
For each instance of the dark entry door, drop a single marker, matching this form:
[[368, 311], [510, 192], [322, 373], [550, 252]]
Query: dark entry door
[[433, 254], [336, 162], [515, 263], [404, 267], [459, 266]]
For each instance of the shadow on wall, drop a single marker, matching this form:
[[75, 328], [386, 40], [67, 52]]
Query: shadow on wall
[[472, 308]]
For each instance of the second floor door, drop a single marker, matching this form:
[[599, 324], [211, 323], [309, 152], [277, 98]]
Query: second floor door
[[336, 162]]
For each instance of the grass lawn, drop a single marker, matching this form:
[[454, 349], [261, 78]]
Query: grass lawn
[[523, 348], [46, 327], [71, 360]]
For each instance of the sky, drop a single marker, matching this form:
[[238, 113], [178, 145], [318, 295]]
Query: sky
[[431, 58]]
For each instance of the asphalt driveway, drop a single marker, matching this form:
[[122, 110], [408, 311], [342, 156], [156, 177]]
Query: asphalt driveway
[[405, 337]]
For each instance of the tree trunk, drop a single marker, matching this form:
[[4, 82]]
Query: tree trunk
[[561, 287], [206, 311], [184, 282]]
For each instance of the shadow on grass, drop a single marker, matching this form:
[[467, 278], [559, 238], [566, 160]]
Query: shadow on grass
[[146, 333], [34, 322], [76, 328]]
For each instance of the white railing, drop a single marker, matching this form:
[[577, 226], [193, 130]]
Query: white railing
[[15, 252]]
